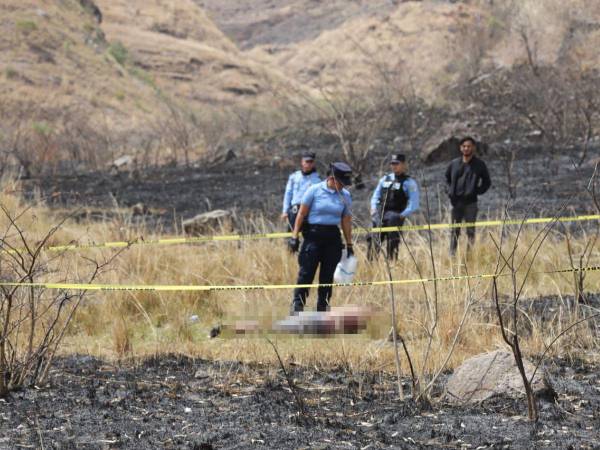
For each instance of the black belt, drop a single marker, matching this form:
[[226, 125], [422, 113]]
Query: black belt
[[319, 227]]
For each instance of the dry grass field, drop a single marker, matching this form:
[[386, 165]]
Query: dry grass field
[[442, 323]]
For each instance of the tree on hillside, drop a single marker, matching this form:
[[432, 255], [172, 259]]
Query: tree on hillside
[[356, 123], [38, 137], [555, 108]]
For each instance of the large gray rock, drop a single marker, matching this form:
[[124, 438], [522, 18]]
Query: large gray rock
[[490, 374], [209, 222], [443, 144]]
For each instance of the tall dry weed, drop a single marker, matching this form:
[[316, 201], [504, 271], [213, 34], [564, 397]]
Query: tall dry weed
[[118, 324]]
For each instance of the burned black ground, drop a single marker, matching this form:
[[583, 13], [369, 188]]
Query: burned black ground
[[177, 402], [253, 186]]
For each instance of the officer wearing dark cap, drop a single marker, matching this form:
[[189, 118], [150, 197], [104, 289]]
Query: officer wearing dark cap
[[395, 198], [324, 206], [298, 183]]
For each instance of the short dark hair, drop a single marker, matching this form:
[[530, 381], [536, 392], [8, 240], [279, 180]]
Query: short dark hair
[[467, 138]]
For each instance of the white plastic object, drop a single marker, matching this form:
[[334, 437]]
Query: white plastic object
[[346, 268]]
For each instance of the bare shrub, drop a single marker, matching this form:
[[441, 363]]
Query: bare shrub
[[563, 106], [393, 91], [554, 108], [33, 319], [517, 268], [180, 132], [512, 263], [355, 121], [27, 136], [84, 142], [42, 137]]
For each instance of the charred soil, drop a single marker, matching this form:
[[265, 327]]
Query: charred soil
[[251, 185], [177, 402]]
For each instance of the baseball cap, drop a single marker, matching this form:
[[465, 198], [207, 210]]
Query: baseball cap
[[342, 172], [398, 158]]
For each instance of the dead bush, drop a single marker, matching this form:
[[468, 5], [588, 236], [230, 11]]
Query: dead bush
[[33, 319]]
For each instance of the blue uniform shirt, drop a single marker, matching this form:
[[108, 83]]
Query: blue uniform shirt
[[327, 206], [296, 186], [410, 188]]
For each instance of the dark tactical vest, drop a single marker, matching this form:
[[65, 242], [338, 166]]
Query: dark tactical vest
[[393, 197]]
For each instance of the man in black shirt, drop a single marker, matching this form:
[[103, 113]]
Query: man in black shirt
[[467, 177]]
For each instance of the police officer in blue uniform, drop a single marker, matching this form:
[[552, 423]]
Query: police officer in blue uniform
[[395, 198], [298, 183], [325, 206]]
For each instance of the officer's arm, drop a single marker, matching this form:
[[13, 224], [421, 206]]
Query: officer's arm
[[287, 197], [347, 220], [302, 213], [413, 198], [376, 196], [347, 229]]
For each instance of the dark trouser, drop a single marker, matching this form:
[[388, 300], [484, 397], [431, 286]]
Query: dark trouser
[[390, 219], [322, 245], [463, 212]]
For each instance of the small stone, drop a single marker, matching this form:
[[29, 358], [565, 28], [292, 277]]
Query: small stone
[[139, 209], [205, 223], [201, 374], [124, 160]]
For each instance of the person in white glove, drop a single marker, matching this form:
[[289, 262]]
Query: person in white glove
[[324, 207]]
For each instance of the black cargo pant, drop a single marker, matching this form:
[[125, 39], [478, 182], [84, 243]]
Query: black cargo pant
[[322, 246], [462, 212], [390, 219]]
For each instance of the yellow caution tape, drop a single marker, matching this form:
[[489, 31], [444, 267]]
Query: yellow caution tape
[[184, 288], [486, 223], [244, 237], [169, 241]]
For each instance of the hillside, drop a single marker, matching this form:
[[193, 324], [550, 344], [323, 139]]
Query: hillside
[[187, 54], [56, 56], [428, 45], [120, 66], [115, 70], [275, 24]]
